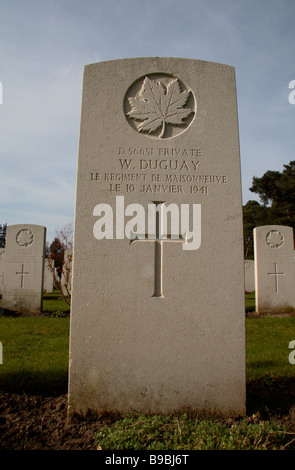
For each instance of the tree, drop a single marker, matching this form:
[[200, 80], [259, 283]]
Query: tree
[[3, 229], [65, 236], [61, 245], [63, 241], [277, 191], [57, 254], [254, 215]]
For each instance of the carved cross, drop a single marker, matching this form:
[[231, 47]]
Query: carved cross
[[276, 275], [22, 274], [158, 255]]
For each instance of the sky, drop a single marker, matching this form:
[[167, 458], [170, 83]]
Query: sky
[[44, 46]]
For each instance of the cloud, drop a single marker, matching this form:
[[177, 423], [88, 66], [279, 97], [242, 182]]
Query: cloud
[[45, 45]]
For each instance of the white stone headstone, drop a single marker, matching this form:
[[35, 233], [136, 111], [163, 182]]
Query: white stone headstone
[[249, 275], [24, 267], [48, 278], [274, 269], [157, 316], [2, 256]]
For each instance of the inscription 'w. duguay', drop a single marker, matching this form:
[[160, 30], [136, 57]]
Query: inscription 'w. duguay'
[[157, 105]]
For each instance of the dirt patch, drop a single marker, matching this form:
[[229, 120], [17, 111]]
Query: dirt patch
[[30, 422]]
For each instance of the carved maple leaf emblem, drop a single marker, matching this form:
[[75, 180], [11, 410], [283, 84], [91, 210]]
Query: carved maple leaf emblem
[[274, 239], [24, 238], [157, 104]]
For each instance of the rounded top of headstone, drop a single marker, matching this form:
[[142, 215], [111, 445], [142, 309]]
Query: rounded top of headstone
[[274, 238]]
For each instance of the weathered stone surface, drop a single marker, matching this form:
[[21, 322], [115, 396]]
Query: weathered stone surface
[[249, 275], [48, 278], [157, 325], [2, 257]]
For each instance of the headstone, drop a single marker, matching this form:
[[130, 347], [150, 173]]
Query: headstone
[[48, 278], [2, 256], [157, 313], [249, 275], [24, 268], [66, 274], [274, 269]]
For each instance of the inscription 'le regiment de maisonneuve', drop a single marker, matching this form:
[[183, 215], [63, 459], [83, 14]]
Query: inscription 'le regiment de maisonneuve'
[[137, 165]]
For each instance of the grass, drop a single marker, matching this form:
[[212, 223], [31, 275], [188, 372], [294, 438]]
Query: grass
[[35, 349], [35, 360], [55, 304], [267, 342], [35, 354], [187, 433], [250, 302]]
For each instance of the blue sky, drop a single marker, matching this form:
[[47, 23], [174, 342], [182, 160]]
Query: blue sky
[[44, 46]]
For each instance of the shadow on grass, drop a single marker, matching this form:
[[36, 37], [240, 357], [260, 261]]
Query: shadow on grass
[[40, 383], [270, 397], [65, 313], [261, 364], [267, 397]]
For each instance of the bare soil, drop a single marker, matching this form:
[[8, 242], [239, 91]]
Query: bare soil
[[31, 422]]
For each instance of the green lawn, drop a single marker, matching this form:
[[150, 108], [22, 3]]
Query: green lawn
[[35, 354], [38, 346], [189, 433], [250, 302], [267, 341], [35, 359], [56, 303]]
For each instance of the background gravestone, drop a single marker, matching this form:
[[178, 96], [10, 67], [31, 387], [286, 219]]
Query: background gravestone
[[2, 255], [249, 275], [274, 269], [24, 268], [48, 278], [155, 327]]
